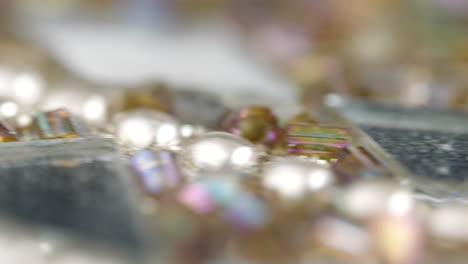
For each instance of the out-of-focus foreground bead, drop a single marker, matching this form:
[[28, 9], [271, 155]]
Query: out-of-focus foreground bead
[[398, 230]]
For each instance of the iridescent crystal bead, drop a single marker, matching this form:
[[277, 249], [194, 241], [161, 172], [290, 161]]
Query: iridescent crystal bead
[[154, 95], [324, 142], [7, 134], [156, 170], [255, 123], [143, 128], [59, 124], [354, 162], [218, 151]]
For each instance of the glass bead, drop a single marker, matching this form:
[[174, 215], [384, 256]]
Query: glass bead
[[7, 134], [218, 151], [59, 124], [143, 128]]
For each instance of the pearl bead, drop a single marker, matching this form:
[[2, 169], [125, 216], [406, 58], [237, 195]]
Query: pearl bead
[[216, 151], [293, 178], [143, 128]]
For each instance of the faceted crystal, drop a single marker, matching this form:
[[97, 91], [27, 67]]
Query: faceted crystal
[[355, 162], [218, 151], [7, 134], [59, 124], [324, 142], [157, 170], [257, 124]]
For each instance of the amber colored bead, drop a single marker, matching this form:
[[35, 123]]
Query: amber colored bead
[[255, 123]]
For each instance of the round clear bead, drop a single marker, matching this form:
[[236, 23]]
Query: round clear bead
[[220, 151], [143, 128]]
